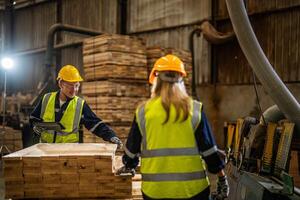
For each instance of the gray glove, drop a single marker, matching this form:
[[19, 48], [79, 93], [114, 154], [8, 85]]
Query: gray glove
[[222, 188], [117, 141], [124, 171], [38, 130]]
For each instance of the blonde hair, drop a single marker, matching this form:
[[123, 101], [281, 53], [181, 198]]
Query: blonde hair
[[172, 93]]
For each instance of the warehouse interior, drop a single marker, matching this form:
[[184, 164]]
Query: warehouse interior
[[242, 62]]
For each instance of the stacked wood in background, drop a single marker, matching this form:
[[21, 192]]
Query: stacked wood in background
[[153, 53], [12, 139], [115, 69], [65, 171]]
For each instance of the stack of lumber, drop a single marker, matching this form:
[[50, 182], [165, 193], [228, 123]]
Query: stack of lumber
[[12, 139], [115, 69], [154, 53], [65, 171], [136, 180], [295, 167]]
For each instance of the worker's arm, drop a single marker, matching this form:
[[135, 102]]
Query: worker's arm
[[95, 125], [133, 147], [35, 114], [207, 146]]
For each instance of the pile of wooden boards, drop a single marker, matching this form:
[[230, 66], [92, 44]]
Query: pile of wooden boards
[[115, 72], [12, 139], [154, 53], [136, 180], [65, 171]]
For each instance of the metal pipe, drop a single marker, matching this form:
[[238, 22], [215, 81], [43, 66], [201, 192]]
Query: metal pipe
[[63, 27], [123, 16], [41, 50], [260, 64], [191, 44]]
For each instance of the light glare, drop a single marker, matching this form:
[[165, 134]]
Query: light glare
[[7, 63]]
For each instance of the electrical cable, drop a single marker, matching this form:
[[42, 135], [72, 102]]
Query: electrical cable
[[257, 98]]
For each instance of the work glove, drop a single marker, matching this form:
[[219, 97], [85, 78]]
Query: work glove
[[222, 188], [125, 171], [116, 140], [38, 130]]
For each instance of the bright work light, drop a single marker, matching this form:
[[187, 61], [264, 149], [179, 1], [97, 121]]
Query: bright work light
[[7, 63]]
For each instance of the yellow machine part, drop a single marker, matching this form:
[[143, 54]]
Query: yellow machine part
[[268, 148]]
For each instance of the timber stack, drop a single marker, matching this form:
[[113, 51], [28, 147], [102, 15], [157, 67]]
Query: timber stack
[[65, 171], [155, 52], [115, 69], [12, 139]]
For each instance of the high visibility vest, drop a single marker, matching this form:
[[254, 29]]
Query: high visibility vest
[[171, 165], [70, 119]]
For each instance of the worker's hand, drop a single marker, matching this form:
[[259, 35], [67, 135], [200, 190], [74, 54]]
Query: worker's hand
[[38, 130], [125, 171], [117, 141], [222, 188]]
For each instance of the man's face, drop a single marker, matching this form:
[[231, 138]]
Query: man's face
[[70, 89]]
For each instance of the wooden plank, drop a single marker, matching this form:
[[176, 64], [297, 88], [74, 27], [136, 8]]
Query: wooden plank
[[113, 103], [99, 72], [115, 58], [83, 171], [115, 88]]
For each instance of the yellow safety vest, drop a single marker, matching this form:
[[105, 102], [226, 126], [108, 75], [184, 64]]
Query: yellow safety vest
[[171, 164], [70, 119]]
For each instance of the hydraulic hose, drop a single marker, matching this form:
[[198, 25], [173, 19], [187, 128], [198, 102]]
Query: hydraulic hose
[[260, 64]]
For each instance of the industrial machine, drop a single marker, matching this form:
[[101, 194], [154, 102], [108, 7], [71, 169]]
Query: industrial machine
[[259, 159]]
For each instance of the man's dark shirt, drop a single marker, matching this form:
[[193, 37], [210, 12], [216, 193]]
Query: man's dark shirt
[[88, 118]]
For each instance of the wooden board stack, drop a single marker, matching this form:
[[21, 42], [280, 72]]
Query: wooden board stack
[[12, 139], [153, 53], [65, 171], [115, 68]]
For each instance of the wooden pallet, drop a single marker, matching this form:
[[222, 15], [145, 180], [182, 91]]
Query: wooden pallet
[[65, 171]]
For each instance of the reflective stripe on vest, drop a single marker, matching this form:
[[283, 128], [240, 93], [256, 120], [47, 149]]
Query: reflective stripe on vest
[[71, 135], [174, 176]]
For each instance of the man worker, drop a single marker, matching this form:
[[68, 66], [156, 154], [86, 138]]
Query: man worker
[[70, 111]]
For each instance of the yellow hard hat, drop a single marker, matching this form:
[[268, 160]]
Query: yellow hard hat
[[167, 63], [69, 73]]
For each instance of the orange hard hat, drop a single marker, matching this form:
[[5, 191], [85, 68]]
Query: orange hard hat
[[167, 63], [69, 73]]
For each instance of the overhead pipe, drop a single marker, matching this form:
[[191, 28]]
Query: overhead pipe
[[260, 64], [212, 36], [67, 28], [191, 44], [49, 81]]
